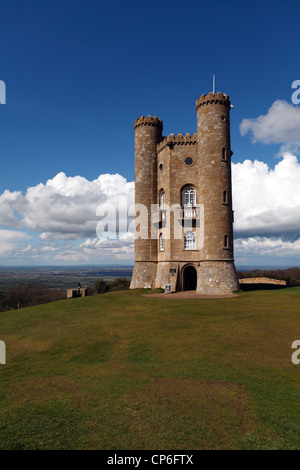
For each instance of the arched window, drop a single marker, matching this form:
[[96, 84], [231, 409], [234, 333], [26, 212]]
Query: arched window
[[161, 242], [162, 200], [189, 197], [189, 240]]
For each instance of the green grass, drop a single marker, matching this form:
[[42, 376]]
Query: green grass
[[128, 371]]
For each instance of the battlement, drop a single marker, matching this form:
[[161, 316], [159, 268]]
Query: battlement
[[219, 98], [148, 121], [179, 139]]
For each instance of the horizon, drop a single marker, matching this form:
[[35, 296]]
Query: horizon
[[67, 266]]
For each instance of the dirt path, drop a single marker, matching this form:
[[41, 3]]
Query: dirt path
[[189, 295]]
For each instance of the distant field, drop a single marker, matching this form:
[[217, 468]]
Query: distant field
[[125, 371], [57, 277]]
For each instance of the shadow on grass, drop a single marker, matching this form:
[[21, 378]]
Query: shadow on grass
[[251, 287]]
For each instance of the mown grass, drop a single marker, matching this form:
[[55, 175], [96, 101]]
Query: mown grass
[[128, 371]]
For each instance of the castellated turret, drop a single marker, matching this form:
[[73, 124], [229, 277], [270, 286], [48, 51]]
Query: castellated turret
[[148, 133], [190, 242]]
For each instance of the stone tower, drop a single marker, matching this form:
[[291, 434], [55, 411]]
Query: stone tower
[[184, 218]]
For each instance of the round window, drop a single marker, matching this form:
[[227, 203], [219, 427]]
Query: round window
[[188, 161]]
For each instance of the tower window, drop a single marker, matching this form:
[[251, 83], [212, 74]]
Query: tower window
[[189, 240], [189, 197], [188, 161], [160, 167], [223, 154], [226, 241], [163, 200], [161, 242], [225, 200]]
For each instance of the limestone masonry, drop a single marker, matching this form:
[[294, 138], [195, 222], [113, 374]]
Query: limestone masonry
[[191, 174]]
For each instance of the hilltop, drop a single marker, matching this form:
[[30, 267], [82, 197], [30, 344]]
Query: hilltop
[[125, 371]]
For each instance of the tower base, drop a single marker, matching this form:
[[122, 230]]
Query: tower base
[[217, 277], [204, 277], [143, 276]]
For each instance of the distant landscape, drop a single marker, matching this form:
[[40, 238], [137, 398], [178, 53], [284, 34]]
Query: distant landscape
[[64, 277], [32, 285], [55, 277]]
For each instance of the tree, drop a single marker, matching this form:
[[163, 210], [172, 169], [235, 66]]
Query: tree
[[120, 283], [101, 286]]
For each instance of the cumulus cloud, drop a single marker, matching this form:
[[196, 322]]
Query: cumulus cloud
[[65, 207], [281, 125], [49, 249], [118, 249], [11, 240], [267, 247], [267, 201], [65, 211], [9, 202]]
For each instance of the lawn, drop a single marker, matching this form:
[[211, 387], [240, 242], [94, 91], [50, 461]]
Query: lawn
[[127, 371]]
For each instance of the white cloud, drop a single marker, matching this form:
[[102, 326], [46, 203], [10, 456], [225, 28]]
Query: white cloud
[[64, 211], [9, 202], [281, 125], [96, 251], [267, 201], [11, 240], [267, 247], [118, 249], [49, 248], [65, 207]]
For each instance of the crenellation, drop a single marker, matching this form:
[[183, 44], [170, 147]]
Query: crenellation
[[148, 121], [179, 139], [218, 98]]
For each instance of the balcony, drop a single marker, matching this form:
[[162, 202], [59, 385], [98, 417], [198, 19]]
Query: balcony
[[189, 213]]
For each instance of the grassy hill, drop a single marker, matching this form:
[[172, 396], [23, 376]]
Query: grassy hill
[[126, 371]]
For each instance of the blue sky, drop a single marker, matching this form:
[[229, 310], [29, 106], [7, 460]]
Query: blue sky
[[78, 73]]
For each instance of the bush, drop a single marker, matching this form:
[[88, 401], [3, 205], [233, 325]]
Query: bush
[[90, 291], [119, 284], [101, 286], [25, 295]]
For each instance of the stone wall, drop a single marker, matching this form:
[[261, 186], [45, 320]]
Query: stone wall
[[262, 280]]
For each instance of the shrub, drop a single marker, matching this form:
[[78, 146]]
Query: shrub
[[25, 295], [119, 284], [101, 286]]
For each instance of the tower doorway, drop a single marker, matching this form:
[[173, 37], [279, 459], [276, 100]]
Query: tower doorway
[[189, 278]]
